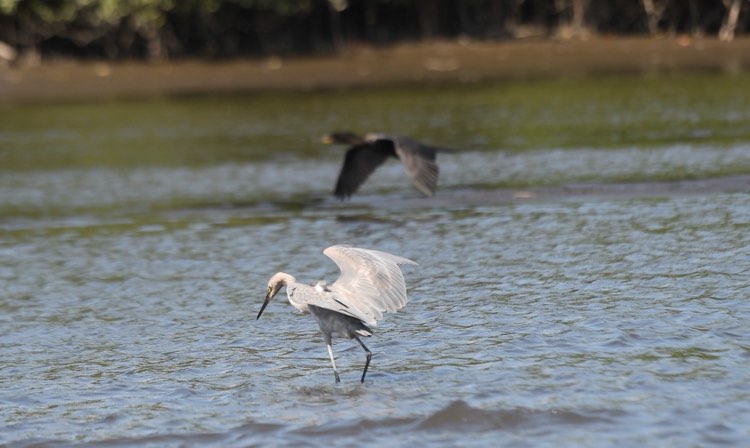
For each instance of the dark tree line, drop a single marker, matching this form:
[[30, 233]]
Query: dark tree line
[[224, 28]]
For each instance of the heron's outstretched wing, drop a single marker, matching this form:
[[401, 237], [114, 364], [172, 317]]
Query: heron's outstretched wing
[[419, 161], [360, 161], [318, 295], [370, 284]]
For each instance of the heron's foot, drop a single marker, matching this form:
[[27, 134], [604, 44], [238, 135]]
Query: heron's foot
[[338, 380]]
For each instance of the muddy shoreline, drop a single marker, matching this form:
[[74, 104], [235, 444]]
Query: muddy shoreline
[[432, 62]]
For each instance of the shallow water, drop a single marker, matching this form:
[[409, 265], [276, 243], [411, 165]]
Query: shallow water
[[541, 314]]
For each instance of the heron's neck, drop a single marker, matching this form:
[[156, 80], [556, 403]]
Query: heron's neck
[[285, 278]]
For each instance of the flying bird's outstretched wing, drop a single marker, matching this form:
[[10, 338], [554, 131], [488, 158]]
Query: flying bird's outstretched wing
[[419, 162], [360, 161]]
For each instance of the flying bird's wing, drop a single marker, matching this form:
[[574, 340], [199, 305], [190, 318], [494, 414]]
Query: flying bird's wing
[[370, 284], [360, 161], [419, 161]]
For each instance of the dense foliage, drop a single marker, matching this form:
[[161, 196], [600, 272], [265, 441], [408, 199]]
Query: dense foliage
[[220, 28]]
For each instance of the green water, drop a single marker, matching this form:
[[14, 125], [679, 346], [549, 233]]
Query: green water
[[597, 113]]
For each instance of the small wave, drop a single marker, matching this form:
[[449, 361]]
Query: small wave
[[456, 416], [460, 415]]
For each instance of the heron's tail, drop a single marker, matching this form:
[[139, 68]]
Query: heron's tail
[[362, 330]]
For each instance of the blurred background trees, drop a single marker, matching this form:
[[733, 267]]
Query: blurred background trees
[[118, 29]]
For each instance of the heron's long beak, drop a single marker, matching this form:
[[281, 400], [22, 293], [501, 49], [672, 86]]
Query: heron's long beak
[[327, 139], [265, 304]]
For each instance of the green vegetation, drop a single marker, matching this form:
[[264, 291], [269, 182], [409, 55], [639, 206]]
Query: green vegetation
[[223, 28]]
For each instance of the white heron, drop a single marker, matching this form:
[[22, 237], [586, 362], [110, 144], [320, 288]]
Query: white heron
[[368, 152], [370, 284]]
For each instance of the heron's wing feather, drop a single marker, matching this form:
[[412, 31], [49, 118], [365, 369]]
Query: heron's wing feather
[[304, 295], [419, 161], [370, 283], [360, 161]]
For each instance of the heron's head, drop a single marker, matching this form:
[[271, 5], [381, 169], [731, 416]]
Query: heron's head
[[342, 138], [275, 284]]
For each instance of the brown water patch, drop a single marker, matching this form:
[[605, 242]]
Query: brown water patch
[[439, 61]]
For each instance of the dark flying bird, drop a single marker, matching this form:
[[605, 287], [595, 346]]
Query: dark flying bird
[[370, 284], [368, 152]]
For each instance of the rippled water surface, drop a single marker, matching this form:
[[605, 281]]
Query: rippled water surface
[[583, 295]]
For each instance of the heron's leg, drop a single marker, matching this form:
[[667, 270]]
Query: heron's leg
[[330, 353], [369, 357]]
